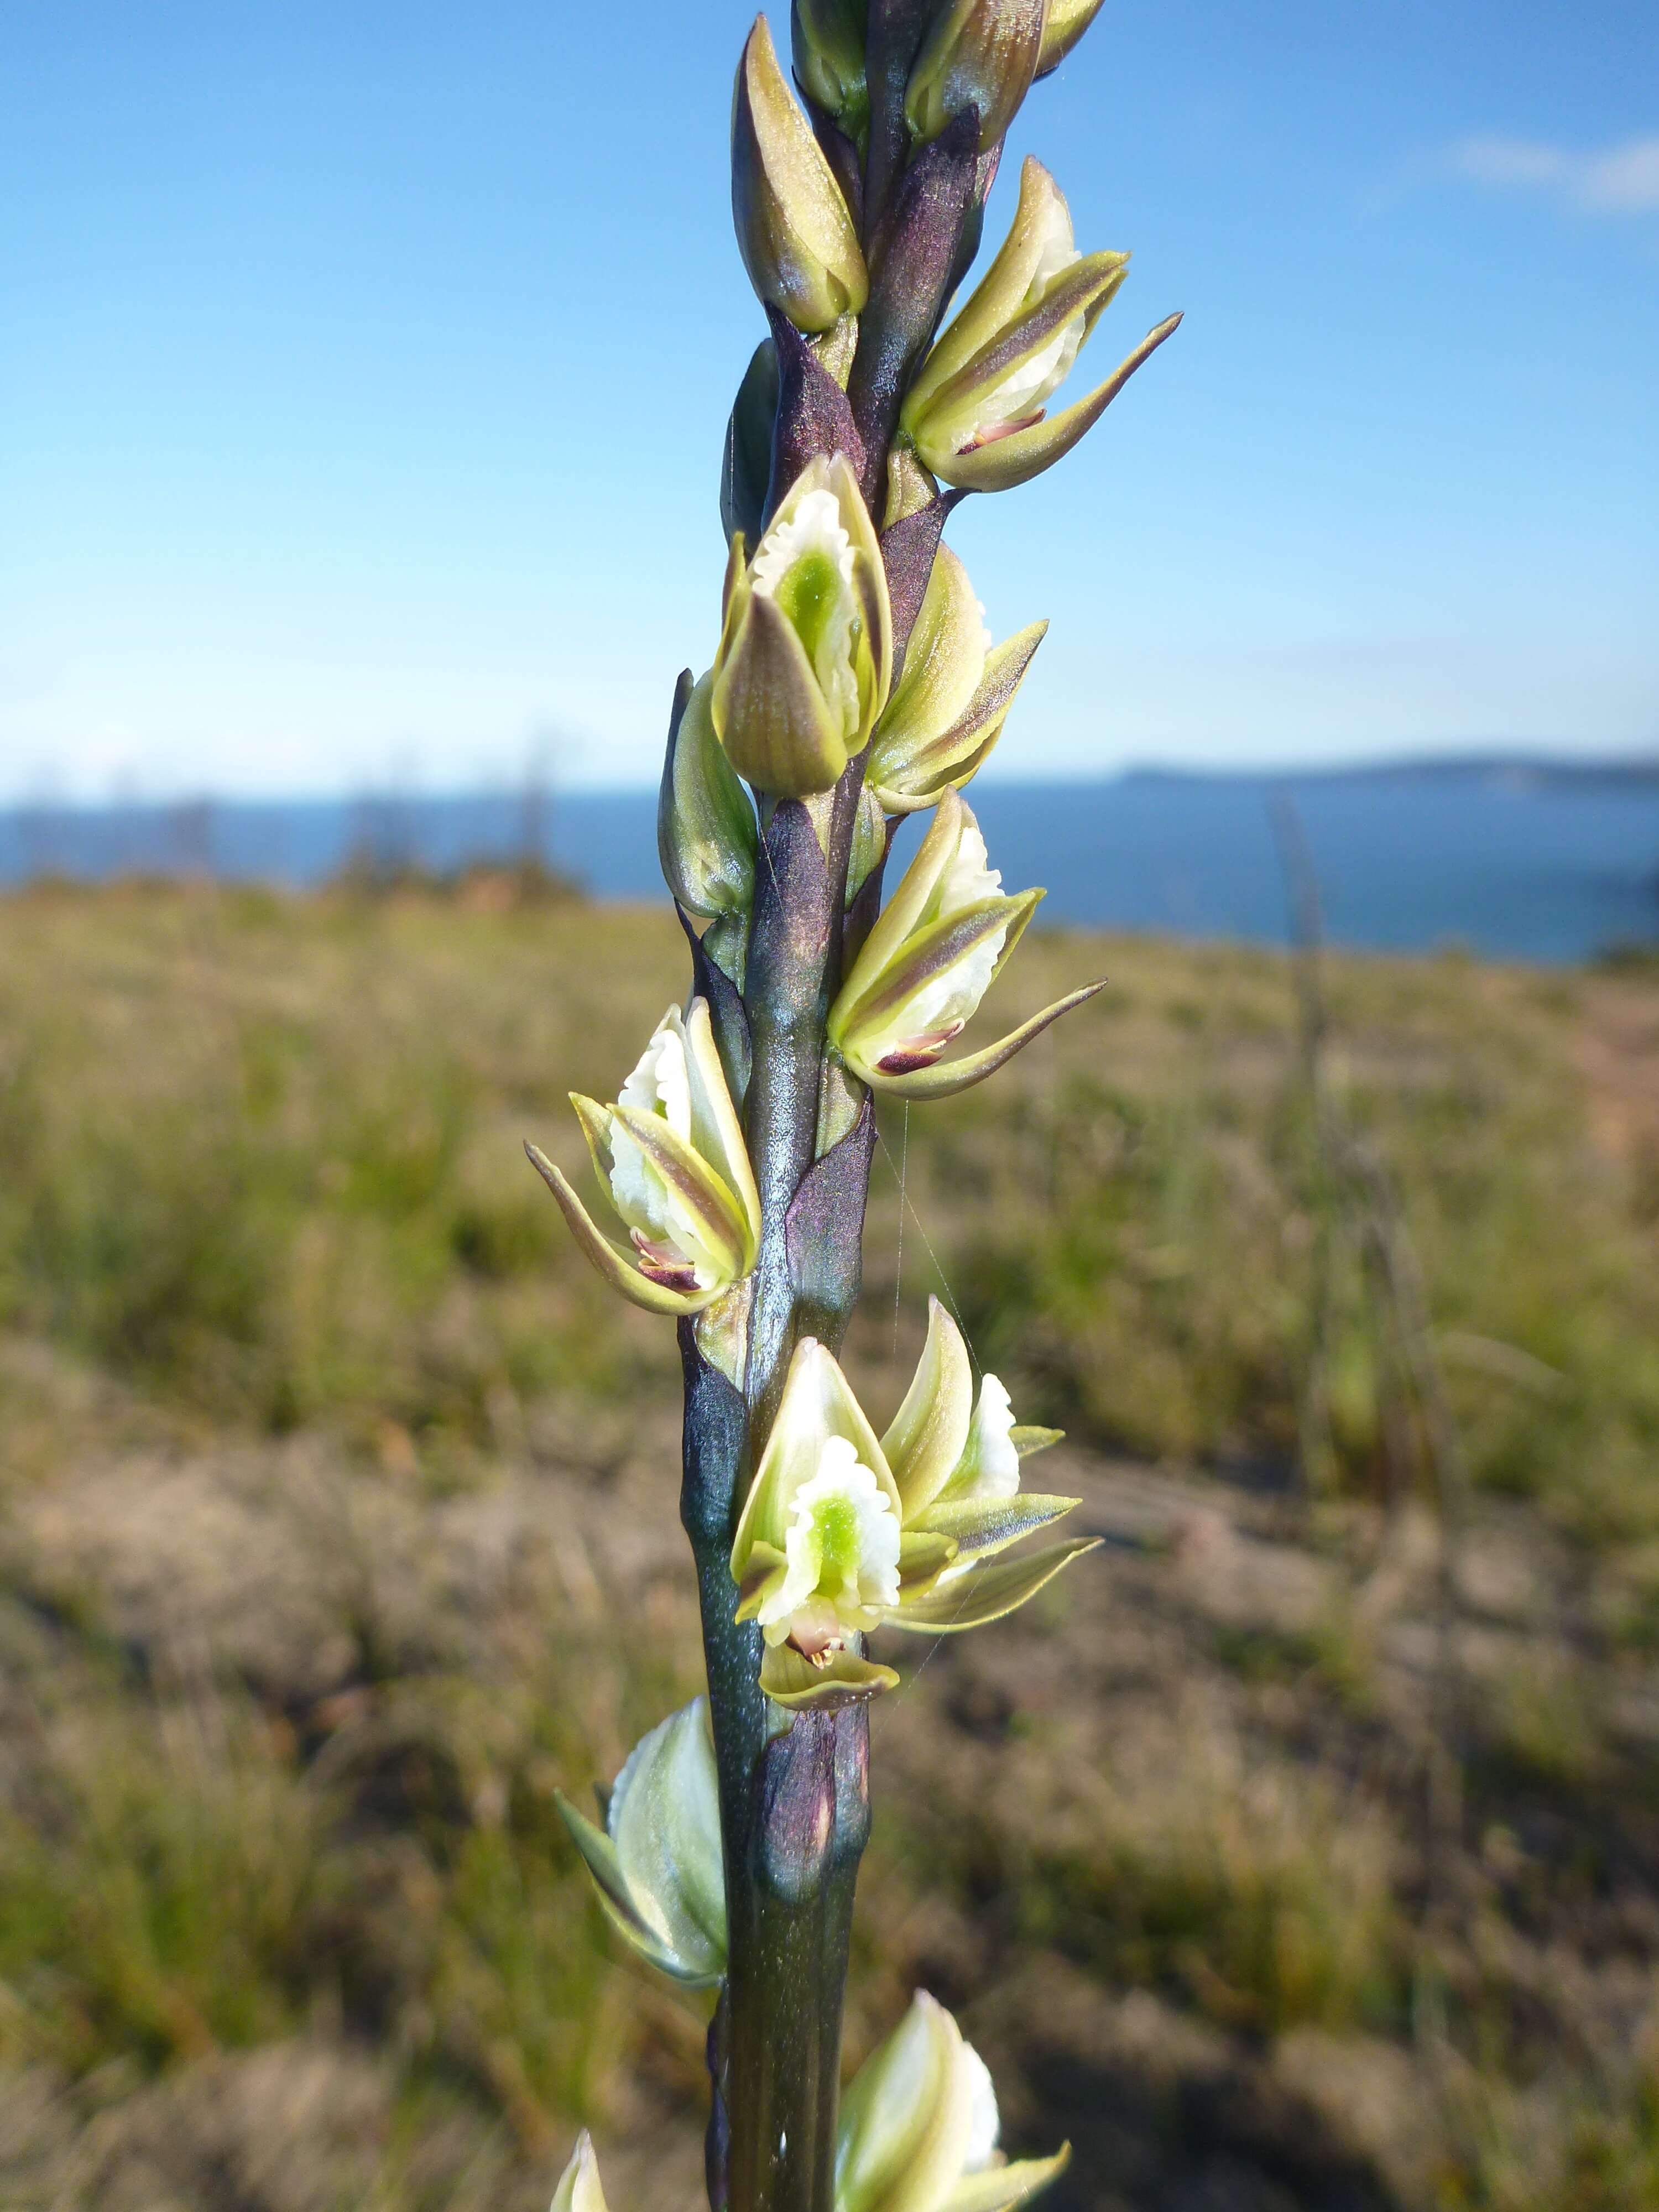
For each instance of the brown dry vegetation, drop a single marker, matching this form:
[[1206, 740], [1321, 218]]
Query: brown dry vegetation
[[338, 1527]]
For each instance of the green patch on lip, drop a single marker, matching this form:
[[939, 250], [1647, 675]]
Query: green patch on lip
[[809, 592]]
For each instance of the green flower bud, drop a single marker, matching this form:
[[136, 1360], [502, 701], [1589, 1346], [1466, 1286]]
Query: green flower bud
[[578, 2189], [948, 707], [806, 647], [1064, 25], [976, 413], [706, 834], [670, 1157], [979, 54], [935, 951], [826, 39], [656, 1860], [919, 2127], [794, 230]]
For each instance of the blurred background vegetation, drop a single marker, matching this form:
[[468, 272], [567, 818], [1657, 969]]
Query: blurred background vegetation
[[1300, 1849]]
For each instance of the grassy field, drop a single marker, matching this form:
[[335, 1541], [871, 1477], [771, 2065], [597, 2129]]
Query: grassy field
[[337, 1530]]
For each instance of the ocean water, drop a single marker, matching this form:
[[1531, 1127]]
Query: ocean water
[[1515, 862]]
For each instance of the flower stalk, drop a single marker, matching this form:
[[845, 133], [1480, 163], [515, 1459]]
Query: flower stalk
[[854, 683]]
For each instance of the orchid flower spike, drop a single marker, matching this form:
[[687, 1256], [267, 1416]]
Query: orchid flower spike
[[953, 698], [919, 2127], [976, 413], [672, 1156], [935, 951], [657, 1860], [805, 657], [578, 2189]]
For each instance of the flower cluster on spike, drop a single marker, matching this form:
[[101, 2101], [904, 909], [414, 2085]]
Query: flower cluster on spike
[[841, 1533], [852, 681]]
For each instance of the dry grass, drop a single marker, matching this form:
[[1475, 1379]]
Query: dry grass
[[336, 1528]]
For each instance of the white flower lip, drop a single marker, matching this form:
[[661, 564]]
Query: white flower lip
[[841, 1546], [984, 2121], [662, 1228], [1026, 389], [938, 1013], [660, 1081], [814, 527]]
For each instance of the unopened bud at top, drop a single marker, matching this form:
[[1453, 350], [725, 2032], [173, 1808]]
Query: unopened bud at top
[[794, 230], [806, 647], [980, 54], [827, 38]]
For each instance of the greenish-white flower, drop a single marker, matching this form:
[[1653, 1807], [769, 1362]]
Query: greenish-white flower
[[952, 697], [657, 1860], [843, 1533], [806, 642], [919, 2127], [670, 1157], [936, 948], [578, 2189], [976, 413]]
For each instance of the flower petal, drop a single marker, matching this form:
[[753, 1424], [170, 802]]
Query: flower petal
[[1040, 220], [1080, 291], [600, 1856], [930, 862], [716, 1132], [1025, 453], [772, 716], [978, 1527], [621, 1273], [944, 662], [711, 1209], [843, 1678], [907, 2117], [908, 777], [665, 1820], [817, 1403], [1027, 1440], [988, 1592], [578, 2189], [1000, 2187], [945, 1077], [930, 1429]]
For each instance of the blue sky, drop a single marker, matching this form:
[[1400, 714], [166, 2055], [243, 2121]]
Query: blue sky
[[363, 369]]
